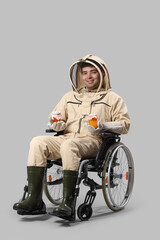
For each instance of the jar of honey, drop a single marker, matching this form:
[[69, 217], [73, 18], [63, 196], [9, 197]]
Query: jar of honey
[[56, 117], [92, 118]]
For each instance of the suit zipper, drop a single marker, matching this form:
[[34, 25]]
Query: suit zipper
[[80, 123]]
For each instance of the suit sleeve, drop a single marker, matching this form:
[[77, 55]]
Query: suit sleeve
[[119, 113]]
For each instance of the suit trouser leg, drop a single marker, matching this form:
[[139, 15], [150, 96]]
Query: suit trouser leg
[[74, 149], [70, 149], [43, 148]]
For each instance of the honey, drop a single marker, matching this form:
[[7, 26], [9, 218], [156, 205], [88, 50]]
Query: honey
[[56, 117], [92, 118]]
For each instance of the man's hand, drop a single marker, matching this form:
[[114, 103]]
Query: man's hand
[[57, 126]]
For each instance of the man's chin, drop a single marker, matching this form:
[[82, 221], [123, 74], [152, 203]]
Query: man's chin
[[90, 86]]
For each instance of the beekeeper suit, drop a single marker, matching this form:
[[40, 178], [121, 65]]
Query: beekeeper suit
[[91, 94]]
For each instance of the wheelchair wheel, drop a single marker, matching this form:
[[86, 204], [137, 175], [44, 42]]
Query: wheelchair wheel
[[84, 212], [53, 183], [117, 176]]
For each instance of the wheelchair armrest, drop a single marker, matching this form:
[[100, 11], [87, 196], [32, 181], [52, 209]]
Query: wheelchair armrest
[[53, 131], [110, 135], [50, 131]]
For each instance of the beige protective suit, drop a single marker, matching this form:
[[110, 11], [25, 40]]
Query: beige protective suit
[[77, 142]]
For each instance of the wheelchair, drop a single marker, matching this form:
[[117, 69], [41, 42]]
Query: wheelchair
[[114, 167]]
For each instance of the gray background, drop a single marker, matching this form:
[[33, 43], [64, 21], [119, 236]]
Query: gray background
[[38, 43]]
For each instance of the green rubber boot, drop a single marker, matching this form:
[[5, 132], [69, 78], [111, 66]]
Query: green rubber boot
[[33, 204], [66, 209]]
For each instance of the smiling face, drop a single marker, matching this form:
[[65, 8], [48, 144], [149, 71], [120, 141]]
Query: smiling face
[[91, 77]]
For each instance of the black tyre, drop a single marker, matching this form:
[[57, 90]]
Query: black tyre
[[84, 212]]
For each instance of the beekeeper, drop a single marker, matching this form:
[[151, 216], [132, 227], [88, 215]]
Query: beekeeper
[[91, 94]]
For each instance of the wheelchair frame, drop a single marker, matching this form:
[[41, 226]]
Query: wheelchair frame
[[107, 160]]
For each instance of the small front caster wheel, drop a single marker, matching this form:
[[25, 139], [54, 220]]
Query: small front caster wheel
[[84, 212]]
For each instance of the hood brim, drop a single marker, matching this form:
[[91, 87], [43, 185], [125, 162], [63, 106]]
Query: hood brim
[[76, 75]]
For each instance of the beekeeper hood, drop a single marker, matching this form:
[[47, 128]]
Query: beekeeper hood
[[75, 73]]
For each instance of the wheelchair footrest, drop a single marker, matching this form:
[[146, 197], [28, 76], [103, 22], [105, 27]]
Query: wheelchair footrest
[[90, 196]]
